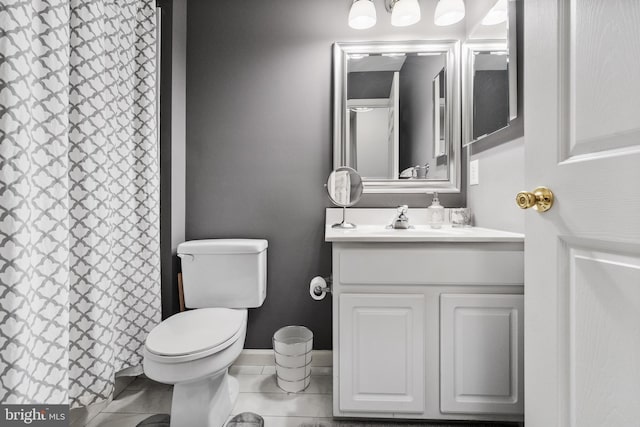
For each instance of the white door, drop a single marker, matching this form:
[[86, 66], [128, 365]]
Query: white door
[[582, 257], [382, 353]]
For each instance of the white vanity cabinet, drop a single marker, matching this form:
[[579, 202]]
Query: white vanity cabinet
[[382, 352], [481, 354], [427, 329]]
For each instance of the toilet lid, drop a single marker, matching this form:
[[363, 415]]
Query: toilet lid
[[195, 331]]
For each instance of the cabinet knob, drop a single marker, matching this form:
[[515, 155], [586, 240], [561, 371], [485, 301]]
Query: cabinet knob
[[541, 199]]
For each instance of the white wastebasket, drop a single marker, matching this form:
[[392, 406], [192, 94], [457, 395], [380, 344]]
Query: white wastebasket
[[292, 346]]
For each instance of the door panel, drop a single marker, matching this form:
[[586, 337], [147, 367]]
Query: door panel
[[603, 299], [605, 116], [582, 140], [382, 352]]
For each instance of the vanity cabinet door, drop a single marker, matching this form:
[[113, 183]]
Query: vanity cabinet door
[[481, 353], [382, 353]]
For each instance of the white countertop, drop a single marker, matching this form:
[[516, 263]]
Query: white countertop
[[371, 227], [420, 233]]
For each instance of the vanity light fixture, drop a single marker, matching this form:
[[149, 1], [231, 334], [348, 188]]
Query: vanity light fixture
[[403, 12], [449, 12], [362, 14], [497, 15]]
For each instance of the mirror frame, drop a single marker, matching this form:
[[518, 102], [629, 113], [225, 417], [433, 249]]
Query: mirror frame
[[451, 48], [469, 49]]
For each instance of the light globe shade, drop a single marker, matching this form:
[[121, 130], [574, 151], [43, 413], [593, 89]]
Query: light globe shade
[[405, 13], [362, 14], [497, 15], [448, 12]]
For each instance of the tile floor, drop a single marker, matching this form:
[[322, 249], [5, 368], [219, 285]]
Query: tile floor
[[258, 393]]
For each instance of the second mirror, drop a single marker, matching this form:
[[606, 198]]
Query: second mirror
[[344, 188]]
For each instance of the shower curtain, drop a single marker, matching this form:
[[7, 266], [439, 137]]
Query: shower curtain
[[79, 196]]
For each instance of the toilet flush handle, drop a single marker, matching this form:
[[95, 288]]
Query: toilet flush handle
[[188, 257]]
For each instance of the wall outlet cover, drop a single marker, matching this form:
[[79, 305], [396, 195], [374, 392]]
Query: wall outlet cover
[[474, 172]]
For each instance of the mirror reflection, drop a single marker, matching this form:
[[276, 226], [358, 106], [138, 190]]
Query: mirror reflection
[[396, 113], [396, 106], [490, 92], [490, 86], [344, 187]]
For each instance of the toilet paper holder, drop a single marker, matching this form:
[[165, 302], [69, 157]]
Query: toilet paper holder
[[319, 290]]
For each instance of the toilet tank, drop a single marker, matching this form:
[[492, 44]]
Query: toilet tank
[[229, 273]]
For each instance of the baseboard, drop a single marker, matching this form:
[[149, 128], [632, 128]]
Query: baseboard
[[265, 358]]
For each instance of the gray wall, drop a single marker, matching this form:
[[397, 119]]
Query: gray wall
[[369, 84], [501, 177], [259, 139], [491, 101], [416, 113]]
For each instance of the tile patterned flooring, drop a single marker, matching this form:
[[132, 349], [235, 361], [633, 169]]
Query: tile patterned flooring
[[258, 393]]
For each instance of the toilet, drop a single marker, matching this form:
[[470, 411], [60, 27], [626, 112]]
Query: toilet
[[194, 349]]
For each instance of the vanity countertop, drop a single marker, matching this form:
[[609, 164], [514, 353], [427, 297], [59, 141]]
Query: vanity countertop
[[371, 227], [420, 233]]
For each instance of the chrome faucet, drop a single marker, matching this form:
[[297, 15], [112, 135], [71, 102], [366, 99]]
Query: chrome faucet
[[401, 221]]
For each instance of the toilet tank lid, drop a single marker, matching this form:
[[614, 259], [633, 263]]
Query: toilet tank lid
[[223, 246]]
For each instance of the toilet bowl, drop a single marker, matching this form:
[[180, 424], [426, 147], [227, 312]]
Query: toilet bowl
[[193, 349]]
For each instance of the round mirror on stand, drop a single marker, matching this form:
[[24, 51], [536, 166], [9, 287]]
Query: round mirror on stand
[[344, 188]]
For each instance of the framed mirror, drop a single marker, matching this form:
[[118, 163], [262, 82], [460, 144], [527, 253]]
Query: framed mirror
[[489, 72], [397, 114]]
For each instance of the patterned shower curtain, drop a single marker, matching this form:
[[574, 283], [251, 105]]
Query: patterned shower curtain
[[79, 196]]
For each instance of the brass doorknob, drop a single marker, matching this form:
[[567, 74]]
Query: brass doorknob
[[541, 199]]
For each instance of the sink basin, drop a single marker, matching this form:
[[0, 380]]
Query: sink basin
[[445, 229]]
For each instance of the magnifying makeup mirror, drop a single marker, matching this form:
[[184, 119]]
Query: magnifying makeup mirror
[[344, 188]]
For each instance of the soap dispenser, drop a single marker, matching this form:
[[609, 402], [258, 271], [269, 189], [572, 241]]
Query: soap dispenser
[[436, 212]]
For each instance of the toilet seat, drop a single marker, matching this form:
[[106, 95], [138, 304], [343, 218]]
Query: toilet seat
[[195, 334]]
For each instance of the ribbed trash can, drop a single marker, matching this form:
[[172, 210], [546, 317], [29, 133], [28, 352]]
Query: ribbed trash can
[[292, 346], [246, 419]]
